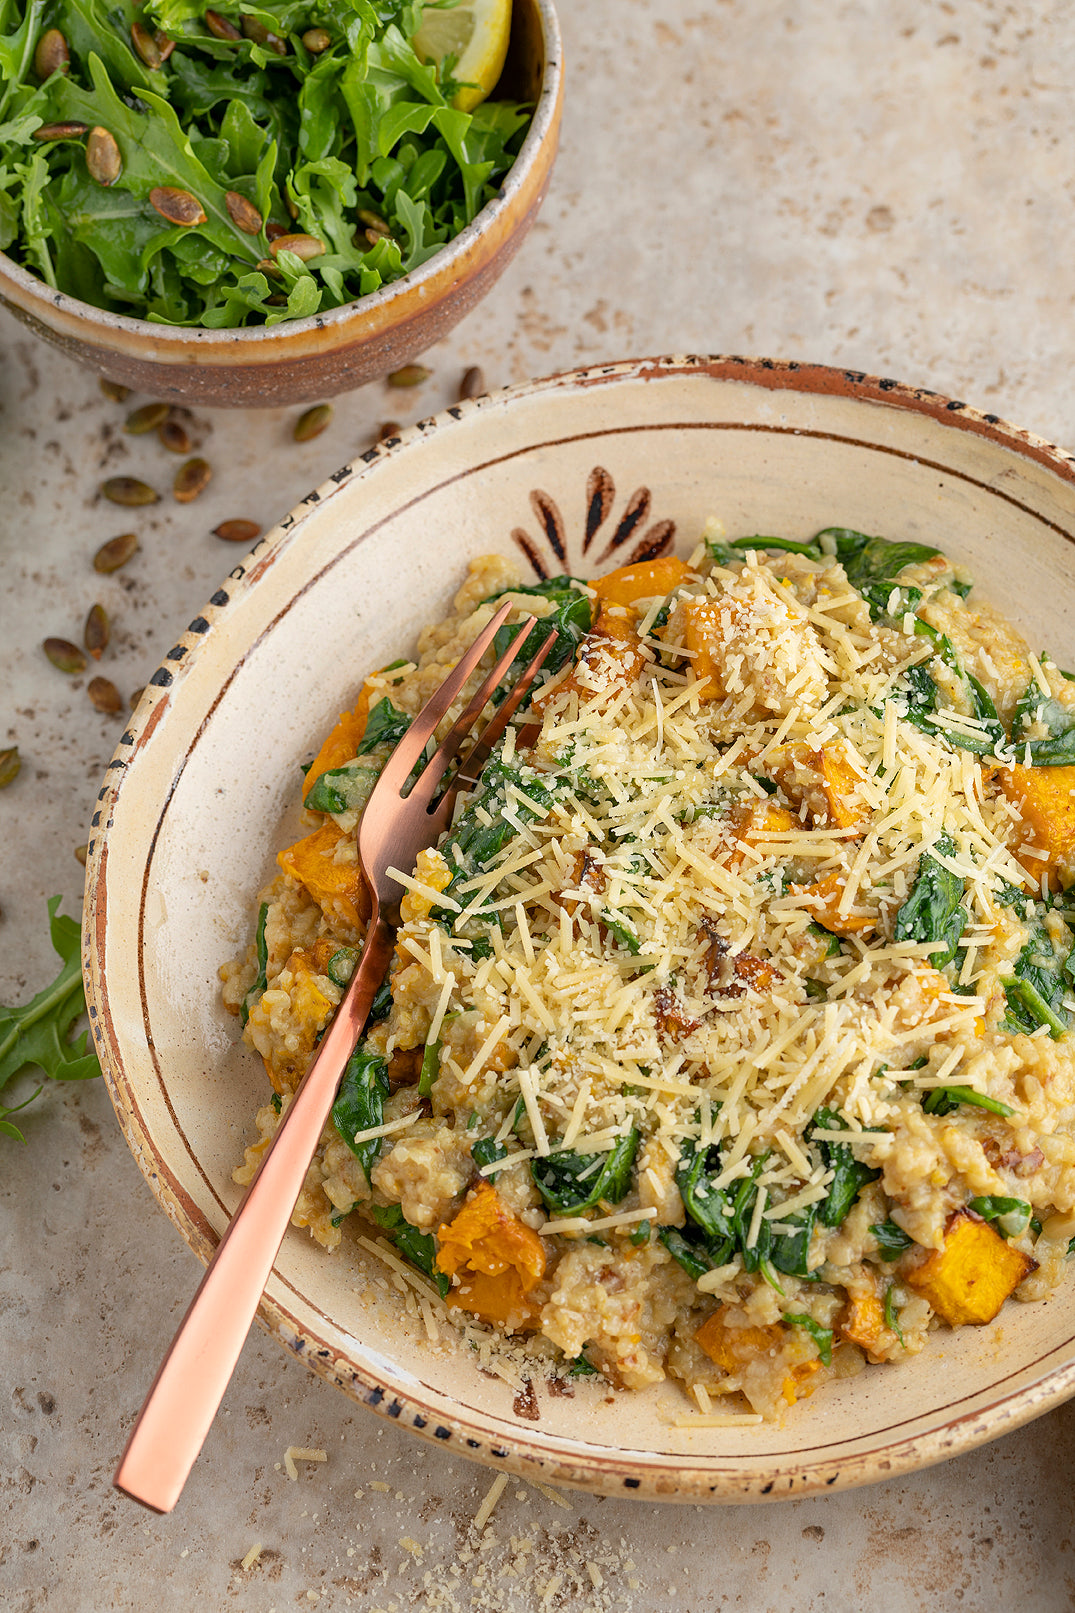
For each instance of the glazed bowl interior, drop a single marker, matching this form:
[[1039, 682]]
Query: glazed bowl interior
[[301, 360], [201, 795]]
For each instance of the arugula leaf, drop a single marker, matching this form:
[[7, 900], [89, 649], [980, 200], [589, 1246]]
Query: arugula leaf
[[485, 1151], [342, 789], [822, 1336], [934, 910], [38, 1035], [1037, 985], [360, 1103], [571, 619], [1011, 1216], [419, 1247], [1057, 749], [384, 726], [873, 566], [262, 952], [573, 1183], [892, 1315], [691, 1249], [942, 1100], [850, 1174], [892, 1241]]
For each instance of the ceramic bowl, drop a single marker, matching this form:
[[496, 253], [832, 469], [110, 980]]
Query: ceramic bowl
[[576, 473], [303, 360]]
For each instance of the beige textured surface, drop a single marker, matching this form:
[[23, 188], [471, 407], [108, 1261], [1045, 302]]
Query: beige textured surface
[[884, 186]]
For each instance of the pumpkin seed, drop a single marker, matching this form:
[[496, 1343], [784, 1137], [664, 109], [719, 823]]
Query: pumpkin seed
[[81, 853], [136, 695], [388, 428], [237, 531], [147, 418], [173, 435], [372, 220], [312, 423], [65, 656], [191, 479], [260, 35], [277, 300], [146, 46], [290, 206], [221, 27], [97, 631], [472, 385], [274, 231], [61, 131], [10, 762], [371, 237], [114, 389], [105, 696], [243, 214], [52, 54], [316, 40], [129, 491], [102, 157], [177, 206], [409, 375], [273, 270], [303, 246], [116, 552], [164, 45]]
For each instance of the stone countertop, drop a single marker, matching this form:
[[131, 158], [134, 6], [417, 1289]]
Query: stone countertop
[[881, 186]]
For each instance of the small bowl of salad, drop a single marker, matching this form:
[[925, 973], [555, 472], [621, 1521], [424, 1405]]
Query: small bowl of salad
[[267, 202]]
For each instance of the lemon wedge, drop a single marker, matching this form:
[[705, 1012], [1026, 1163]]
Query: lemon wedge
[[476, 33]]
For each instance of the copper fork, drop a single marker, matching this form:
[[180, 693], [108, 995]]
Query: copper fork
[[396, 824]]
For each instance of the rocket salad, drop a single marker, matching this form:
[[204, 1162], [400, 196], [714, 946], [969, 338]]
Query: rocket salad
[[243, 165]]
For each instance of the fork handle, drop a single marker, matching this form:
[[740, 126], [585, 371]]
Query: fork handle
[[197, 1369]]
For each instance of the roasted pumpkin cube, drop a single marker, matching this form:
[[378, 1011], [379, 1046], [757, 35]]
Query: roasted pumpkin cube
[[336, 887], [839, 782], [706, 624], [341, 745], [969, 1279], [863, 1320], [497, 1259], [731, 1348], [610, 655], [645, 580], [825, 896], [797, 1385], [1045, 797], [824, 779]]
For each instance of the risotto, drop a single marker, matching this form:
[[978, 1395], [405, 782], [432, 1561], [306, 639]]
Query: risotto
[[726, 1036]]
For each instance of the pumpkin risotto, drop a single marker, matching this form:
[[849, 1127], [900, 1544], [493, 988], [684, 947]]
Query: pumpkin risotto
[[727, 1032]]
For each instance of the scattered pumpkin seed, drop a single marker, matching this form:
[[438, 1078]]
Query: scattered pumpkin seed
[[136, 695], [174, 436], [260, 35], [371, 237], [243, 214], [177, 206], [147, 418], [388, 428], [146, 46], [97, 631], [237, 531], [114, 389], [277, 300], [65, 656], [52, 54], [472, 385], [303, 246], [61, 131], [367, 216], [164, 44], [312, 423], [409, 375], [274, 231], [129, 491], [191, 479], [105, 696], [81, 853], [102, 157], [290, 206], [316, 40], [270, 267], [116, 552], [10, 762], [221, 27]]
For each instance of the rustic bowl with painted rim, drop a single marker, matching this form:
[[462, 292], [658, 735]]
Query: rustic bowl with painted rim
[[304, 360], [578, 473]]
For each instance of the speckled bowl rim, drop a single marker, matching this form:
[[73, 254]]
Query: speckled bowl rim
[[436, 268], [645, 1475]]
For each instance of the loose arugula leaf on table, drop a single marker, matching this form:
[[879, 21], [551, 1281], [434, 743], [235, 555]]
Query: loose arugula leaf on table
[[934, 910], [38, 1035]]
